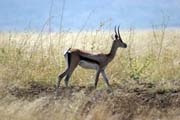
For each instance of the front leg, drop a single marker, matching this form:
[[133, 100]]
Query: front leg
[[97, 78], [106, 79]]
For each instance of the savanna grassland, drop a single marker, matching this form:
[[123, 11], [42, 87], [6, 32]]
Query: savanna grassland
[[145, 77]]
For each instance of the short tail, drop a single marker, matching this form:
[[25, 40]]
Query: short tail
[[67, 56], [65, 52]]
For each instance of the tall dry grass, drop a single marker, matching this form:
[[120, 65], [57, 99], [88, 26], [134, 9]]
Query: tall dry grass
[[152, 57]]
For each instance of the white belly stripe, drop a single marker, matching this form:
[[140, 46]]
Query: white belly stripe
[[88, 65]]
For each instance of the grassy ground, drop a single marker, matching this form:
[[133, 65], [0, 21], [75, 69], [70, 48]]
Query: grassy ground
[[145, 77]]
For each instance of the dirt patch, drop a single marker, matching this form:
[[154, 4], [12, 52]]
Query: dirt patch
[[37, 89], [143, 95], [34, 90], [124, 102]]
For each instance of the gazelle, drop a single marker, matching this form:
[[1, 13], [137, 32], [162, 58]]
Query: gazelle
[[75, 57]]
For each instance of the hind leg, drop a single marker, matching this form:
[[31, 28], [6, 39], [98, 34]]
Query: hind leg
[[66, 80], [60, 77], [67, 56], [71, 70]]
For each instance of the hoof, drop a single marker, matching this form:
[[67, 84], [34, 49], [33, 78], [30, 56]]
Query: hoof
[[57, 91]]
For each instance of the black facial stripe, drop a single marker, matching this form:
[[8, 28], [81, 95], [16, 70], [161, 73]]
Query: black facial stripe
[[89, 60]]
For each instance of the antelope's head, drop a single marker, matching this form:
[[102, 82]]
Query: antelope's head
[[118, 40]]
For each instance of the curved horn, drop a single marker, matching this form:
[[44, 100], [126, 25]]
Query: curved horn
[[119, 33], [116, 35]]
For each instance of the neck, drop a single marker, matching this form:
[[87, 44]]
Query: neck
[[112, 52]]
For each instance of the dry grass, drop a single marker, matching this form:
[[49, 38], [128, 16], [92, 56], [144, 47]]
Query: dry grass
[[152, 60]]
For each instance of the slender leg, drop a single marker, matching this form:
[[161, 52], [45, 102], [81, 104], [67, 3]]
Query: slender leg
[[71, 70], [60, 77], [66, 80], [97, 78], [106, 79]]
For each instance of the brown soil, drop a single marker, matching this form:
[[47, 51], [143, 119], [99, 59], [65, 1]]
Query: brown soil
[[132, 102]]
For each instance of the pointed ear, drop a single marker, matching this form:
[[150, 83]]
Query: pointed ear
[[112, 36]]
